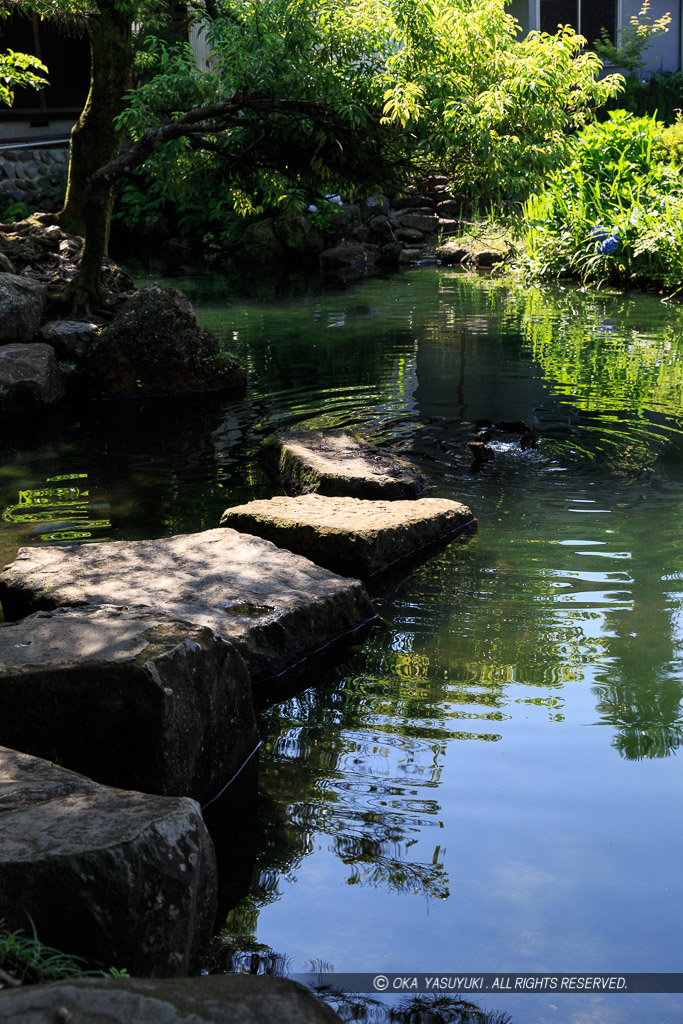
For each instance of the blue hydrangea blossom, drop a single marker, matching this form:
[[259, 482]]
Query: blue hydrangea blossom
[[609, 246]]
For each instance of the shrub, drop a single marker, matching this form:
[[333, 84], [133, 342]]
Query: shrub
[[493, 110], [636, 37], [660, 95], [669, 145], [615, 212]]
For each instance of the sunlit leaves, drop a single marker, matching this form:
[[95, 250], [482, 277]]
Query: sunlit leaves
[[19, 69], [493, 109]]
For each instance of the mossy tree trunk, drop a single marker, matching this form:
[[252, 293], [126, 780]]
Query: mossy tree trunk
[[95, 140]]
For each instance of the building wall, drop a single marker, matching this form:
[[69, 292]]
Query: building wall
[[666, 52], [36, 177]]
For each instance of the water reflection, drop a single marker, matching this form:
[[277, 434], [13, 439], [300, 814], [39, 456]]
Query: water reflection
[[60, 514]]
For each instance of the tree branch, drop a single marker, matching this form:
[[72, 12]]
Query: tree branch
[[197, 122]]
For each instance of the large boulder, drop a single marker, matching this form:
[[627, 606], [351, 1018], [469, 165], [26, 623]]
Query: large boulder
[[260, 243], [127, 698], [275, 607], [336, 463], [212, 999], [420, 220], [30, 377], [452, 251], [348, 535], [349, 255], [298, 235], [154, 346], [69, 338], [119, 877], [22, 304]]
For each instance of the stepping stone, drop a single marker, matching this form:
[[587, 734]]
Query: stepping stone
[[211, 999], [122, 878], [349, 535], [275, 607], [127, 699], [338, 464]]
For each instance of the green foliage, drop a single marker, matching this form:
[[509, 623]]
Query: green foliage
[[13, 212], [660, 95], [19, 69], [384, 88], [613, 213], [26, 960], [636, 37], [315, 64], [669, 146], [492, 110]]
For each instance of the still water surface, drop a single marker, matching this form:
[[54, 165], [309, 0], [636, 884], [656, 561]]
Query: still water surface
[[491, 782]]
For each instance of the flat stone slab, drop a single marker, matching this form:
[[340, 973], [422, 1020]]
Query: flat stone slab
[[127, 698], [335, 463], [122, 878], [349, 535], [212, 999], [274, 606]]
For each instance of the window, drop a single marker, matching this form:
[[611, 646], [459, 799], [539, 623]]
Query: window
[[586, 16]]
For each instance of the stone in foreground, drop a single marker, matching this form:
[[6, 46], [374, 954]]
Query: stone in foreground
[[127, 699], [22, 302], [29, 377], [274, 606], [349, 535], [338, 464], [69, 338], [122, 878], [211, 999]]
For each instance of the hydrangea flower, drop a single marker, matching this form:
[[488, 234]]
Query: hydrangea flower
[[600, 233], [609, 246]]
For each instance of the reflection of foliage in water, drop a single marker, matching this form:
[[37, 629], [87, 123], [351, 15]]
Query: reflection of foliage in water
[[420, 1009], [641, 693], [635, 372], [69, 511], [616, 358]]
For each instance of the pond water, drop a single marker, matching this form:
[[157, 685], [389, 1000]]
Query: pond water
[[491, 781]]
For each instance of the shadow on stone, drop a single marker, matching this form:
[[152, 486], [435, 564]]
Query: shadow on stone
[[128, 698]]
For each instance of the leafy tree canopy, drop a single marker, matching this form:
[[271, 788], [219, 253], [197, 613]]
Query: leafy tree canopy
[[321, 93], [492, 109]]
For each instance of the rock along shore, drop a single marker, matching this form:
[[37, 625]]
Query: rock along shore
[[123, 878]]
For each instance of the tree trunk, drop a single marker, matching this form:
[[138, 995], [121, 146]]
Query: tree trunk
[[95, 140]]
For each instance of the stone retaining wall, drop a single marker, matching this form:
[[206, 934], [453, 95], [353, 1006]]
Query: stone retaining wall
[[32, 176]]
